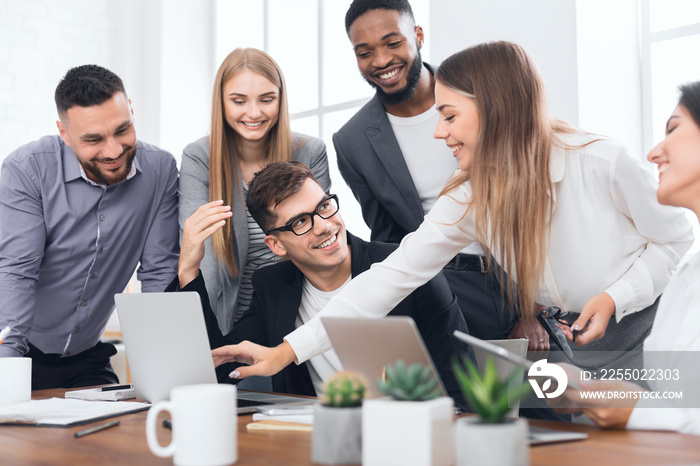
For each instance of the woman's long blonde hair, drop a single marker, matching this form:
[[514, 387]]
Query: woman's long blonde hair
[[509, 172], [224, 175]]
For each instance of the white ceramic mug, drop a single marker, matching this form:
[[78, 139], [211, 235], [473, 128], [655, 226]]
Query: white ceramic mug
[[15, 380], [204, 424]]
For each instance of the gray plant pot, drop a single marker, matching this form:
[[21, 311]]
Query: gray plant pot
[[337, 435], [502, 444]]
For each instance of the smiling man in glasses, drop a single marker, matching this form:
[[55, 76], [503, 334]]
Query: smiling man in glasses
[[304, 224]]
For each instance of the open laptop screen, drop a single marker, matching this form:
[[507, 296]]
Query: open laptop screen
[[367, 345]]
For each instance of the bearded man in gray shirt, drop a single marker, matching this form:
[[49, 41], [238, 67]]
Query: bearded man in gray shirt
[[78, 213]]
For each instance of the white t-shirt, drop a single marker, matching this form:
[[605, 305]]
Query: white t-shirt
[[313, 300], [430, 162], [608, 234]]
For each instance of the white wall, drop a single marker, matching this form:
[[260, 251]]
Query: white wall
[[39, 41], [587, 52], [187, 72], [610, 90], [162, 49], [545, 28]]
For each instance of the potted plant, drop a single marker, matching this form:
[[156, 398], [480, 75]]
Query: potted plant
[[490, 438], [337, 434], [413, 425]]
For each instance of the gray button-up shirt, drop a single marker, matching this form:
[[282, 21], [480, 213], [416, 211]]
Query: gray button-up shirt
[[67, 246]]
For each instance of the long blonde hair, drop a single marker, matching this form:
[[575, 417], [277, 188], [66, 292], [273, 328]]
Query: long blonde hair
[[509, 172], [224, 176]]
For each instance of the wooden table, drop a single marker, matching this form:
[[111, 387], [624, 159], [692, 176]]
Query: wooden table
[[126, 444]]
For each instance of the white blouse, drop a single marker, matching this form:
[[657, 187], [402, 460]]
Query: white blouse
[[608, 233], [676, 328]]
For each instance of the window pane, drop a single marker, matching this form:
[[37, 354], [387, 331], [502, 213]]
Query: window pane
[[668, 14], [293, 33], [238, 24], [308, 126], [671, 66], [342, 81]]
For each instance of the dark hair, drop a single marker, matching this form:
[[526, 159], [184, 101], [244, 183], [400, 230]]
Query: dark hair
[[690, 99], [360, 7], [272, 185], [85, 86]]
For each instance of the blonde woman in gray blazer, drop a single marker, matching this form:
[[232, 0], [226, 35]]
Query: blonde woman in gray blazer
[[249, 129]]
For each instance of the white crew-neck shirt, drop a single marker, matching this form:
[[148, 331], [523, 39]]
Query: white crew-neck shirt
[[430, 162], [312, 301]]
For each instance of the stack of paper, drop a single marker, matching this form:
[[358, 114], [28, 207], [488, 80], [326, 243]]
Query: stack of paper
[[59, 412]]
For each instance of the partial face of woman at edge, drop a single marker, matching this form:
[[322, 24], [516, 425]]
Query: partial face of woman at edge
[[251, 105], [458, 123], [678, 159]]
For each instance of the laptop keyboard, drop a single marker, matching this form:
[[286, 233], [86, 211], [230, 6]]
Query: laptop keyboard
[[246, 403]]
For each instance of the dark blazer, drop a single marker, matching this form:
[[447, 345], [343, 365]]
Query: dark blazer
[[275, 306], [372, 164]]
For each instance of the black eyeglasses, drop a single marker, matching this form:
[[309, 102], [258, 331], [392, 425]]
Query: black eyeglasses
[[303, 223]]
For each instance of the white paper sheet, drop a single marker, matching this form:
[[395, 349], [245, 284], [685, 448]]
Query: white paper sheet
[[61, 412]]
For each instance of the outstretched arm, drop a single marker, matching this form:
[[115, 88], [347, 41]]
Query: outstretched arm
[[376, 291]]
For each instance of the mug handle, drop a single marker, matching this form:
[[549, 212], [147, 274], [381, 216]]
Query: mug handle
[[151, 437]]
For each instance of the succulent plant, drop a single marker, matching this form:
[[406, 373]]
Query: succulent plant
[[409, 383], [345, 389], [488, 395]]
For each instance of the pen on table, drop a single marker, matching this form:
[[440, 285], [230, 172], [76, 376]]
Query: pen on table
[[92, 430], [3, 333], [116, 387]]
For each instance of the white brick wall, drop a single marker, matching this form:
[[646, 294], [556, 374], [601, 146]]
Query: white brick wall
[[39, 41]]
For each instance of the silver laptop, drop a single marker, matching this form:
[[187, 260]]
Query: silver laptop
[[166, 345], [367, 345]]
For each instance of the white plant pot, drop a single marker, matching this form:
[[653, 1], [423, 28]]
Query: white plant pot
[[407, 432], [502, 444], [337, 435]]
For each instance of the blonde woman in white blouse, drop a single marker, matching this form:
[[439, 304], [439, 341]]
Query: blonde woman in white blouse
[[570, 216]]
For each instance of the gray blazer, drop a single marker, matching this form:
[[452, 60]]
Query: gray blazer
[[194, 192], [372, 164]]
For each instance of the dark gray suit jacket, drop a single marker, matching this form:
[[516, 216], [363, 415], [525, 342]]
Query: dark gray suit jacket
[[372, 164]]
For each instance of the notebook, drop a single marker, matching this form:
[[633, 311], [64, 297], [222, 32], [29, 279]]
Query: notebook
[[367, 345], [167, 346]]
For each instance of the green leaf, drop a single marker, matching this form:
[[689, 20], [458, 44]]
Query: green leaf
[[485, 392]]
